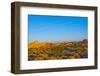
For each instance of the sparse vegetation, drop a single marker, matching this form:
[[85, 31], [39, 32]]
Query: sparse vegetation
[[50, 51]]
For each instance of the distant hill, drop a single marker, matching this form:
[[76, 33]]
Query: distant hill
[[37, 44], [85, 41]]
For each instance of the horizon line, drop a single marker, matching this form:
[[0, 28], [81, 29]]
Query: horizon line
[[57, 41]]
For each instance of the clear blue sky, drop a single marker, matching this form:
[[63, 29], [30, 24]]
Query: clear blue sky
[[57, 28]]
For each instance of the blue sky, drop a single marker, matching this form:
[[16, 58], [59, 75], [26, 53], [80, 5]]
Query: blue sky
[[57, 28]]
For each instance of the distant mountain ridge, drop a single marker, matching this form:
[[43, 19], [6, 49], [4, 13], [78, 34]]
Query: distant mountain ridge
[[37, 44]]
